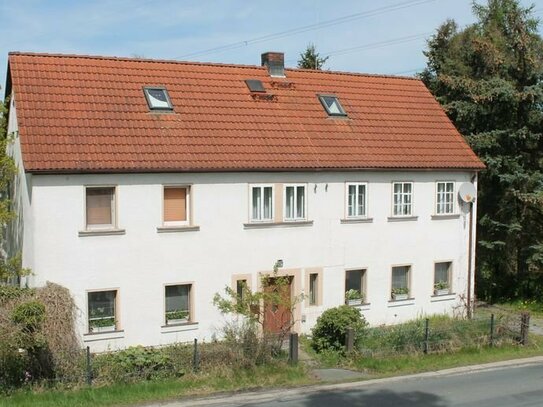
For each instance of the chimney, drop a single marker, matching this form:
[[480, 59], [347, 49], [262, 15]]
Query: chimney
[[275, 62]]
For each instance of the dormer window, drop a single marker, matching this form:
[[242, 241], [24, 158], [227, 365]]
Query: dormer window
[[255, 85], [158, 99], [332, 106]]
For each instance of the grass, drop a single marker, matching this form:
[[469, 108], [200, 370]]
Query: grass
[[535, 308], [417, 363], [277, 375]]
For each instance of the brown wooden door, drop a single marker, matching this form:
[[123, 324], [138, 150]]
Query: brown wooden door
[[277, 317]]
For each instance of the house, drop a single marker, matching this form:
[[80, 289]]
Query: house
[[147, 186]]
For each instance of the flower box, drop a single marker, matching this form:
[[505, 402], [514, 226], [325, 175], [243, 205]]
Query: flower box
[[399, 297], [357, 301], [441, 291], [177, 321], [107, 328]]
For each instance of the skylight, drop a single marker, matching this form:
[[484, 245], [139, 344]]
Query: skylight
[[332, 105], [255, 85], [158, 99]]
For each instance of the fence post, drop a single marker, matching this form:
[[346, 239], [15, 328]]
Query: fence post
[[349, 340], [524, 327], [426, 335], [89, 367], [491, 330], [195, 357], [293, 349]]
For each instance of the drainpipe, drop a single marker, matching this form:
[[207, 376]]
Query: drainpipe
[[470, 254]]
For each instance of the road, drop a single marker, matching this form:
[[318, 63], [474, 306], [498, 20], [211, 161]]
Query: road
[[510, 386]]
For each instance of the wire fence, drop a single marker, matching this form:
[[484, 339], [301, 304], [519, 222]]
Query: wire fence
[[133, 364], [248, 349], [444, 335]]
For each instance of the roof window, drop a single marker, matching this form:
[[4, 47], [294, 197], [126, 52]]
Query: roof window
[[331, 105], [157, 98], [255, 85]]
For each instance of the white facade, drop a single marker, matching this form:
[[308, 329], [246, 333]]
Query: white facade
[[140, 259]]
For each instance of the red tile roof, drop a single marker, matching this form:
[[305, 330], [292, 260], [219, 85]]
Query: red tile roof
[[89, 114]]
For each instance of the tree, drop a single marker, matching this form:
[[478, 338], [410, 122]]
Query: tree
[[311, 59], [253, 306], [488, 77]]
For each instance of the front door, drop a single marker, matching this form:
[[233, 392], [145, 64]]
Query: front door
[[277, 316]]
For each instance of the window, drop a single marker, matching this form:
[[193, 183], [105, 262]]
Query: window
[[294, 202], [175, 206], [313, 288], [444, 198], [403, 198], [255, 85], [442, 278], [178, 304], [100, 203], [356, 200], [400, 282], [158, 98], [354, 287], [261, 203], [331, 105], [241, 288], [102, 306]]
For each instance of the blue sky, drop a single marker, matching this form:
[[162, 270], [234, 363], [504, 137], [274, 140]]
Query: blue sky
[[388, 36]]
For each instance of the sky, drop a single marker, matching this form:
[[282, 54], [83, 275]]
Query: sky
[[371, 36]]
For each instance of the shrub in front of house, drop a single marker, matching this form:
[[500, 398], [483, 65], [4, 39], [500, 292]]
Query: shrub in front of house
[[331, 328]]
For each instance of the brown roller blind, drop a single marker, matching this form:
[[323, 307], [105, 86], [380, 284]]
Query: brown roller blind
[[99, 206], [175, 204]]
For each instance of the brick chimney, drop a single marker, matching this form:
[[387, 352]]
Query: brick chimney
[[275, 62]]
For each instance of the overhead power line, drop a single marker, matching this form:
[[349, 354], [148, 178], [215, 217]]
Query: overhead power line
[[310, 27]]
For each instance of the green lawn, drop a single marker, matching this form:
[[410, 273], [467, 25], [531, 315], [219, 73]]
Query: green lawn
[[279, 375], [408, 364]]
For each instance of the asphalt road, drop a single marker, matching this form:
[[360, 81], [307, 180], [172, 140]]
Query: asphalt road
[[505, 387]]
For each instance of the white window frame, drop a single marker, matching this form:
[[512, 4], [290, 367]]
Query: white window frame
[[357, 185], [188, 202], [115, 309], [98, 227], [449, 273], [445, 194], [261, 186], [409, 278], [190, 318], [402, 204], [294, 219]]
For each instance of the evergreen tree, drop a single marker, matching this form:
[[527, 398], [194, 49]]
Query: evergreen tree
[[488, 77], [310, 58]]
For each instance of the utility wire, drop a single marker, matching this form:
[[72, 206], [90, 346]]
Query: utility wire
[[374, 45], [310, 27]]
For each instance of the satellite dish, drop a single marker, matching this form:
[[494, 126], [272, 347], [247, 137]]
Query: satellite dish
[[467, 192]]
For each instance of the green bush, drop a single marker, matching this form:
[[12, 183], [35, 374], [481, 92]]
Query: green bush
[[29, 314], [331, 328], [134, 363]]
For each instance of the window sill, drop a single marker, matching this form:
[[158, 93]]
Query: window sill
[[402, 218], [362, 307], [448, 216], [443, 297], [101, 232], [187, 326], [103, 336], [355, 220], [175, 229], [264, 225], [401, 303]]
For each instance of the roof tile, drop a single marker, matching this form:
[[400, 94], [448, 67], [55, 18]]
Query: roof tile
[[85, 114]]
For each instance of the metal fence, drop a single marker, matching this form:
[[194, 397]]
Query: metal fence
[[442, 335]]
